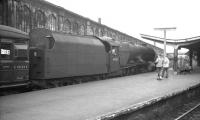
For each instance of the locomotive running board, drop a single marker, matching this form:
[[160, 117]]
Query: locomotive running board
[[17, 85]]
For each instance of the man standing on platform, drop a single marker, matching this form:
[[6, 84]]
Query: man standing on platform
[[165, 67], [159, 65]]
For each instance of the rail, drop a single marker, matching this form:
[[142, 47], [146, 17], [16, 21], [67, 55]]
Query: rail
[[188, 112]]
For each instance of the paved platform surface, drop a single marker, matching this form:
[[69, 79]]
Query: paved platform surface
[[90, 100]]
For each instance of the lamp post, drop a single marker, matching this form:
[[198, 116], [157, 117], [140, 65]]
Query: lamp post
[[165, 30]]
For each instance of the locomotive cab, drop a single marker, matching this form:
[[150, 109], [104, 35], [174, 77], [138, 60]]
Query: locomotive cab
[[112, 49], [114, 59]]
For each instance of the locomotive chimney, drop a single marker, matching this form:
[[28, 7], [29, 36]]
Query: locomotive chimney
[[99, 20]]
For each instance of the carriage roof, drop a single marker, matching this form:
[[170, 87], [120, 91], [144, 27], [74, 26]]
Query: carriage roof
[[10, 32]]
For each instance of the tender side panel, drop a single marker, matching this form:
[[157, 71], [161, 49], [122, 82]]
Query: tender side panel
[[75, 56], [65, 55]]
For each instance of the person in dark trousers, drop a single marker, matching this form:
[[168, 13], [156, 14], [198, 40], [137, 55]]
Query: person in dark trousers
[[165, 67], [159, 65]]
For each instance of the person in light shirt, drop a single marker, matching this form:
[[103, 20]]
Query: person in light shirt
[[159, 65], [165, 67]]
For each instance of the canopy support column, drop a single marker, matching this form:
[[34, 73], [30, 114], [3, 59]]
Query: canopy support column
[[175, 59]]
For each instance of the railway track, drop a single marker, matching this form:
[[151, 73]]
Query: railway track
[[181, 106], [191, 114]]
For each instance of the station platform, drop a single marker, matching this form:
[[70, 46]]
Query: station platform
[[93, 100]]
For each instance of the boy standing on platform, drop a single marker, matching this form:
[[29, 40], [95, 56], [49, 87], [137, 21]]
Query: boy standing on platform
[[159, 65], [165, 67]]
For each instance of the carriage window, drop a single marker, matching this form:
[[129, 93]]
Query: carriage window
[[21, 51], [5, 50]]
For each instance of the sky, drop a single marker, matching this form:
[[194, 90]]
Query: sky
[[135, 17]]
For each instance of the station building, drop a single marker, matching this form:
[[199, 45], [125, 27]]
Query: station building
[[29, 14]]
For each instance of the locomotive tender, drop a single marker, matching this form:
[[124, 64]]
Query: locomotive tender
[[57, 59]]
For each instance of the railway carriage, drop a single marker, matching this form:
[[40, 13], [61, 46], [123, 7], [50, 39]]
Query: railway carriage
[[14, 58]]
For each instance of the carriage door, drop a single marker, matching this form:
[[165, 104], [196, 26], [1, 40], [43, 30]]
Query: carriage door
[[114, 58]]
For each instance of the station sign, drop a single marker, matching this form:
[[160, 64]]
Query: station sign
[[5, 52]]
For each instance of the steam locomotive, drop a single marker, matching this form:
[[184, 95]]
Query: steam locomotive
[[57, 59]]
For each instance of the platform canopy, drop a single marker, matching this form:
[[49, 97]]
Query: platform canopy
[[189, 43]]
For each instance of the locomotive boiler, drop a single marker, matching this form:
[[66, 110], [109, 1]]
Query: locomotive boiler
[[136, 58]]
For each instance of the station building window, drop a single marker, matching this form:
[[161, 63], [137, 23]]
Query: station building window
[[67, 26], [39, 19], [52, 22], [26, 23], [61, 23], [82, 30], [101, 33], [1, 11], [97, 32], [23, 17], [75, 28]]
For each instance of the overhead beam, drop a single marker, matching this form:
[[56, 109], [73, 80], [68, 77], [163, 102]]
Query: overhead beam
[[165, 32]]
